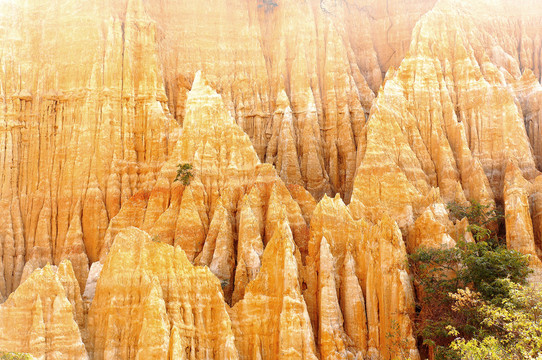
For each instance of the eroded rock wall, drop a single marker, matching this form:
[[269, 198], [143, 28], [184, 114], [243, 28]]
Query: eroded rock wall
[[85, 125], [44, 316], [275, 104]]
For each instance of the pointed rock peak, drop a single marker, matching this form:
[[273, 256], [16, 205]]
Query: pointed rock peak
[[273, 301], [326, 258], [65, 268], [514, 178], [349, 264], [515, 184], [47, 271], [282, 101], [334, 202], [512, 170], [276, 212], [265, 174], [200, 83], [205, 109], [150, 269], [123, 241], [287, 119], [41, 305], [211, 140], [278, 260], [335, 206], [528, 76]]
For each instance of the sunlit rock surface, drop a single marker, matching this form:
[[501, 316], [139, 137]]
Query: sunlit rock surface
[[451, 115], [359, 294], [175, 310], [271, 321], [231, 207], [397, 107], [85, 125], [44, 316]]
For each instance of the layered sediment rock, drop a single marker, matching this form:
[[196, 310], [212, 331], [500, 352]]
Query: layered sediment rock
[[451, 116], [271, 321], [84, 124], [237, 217], [88, 124], [352, 268], [44, 316], [175, 310], [228, 180], [521, 208], [101, 101], [321, 71]]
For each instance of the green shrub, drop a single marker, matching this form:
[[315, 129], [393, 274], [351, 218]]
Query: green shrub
[[481, 266], [184, 174], [511, 329], [476, 213]]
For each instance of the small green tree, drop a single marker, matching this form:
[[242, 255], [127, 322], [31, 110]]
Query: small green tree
[[511, 329], [483, 219], [476, 213], [184, 174], [441, 273]]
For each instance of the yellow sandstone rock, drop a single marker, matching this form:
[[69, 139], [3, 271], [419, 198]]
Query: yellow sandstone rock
[[519, 222], [159, 307], [351, 266], [271, 321], [44, 315], [228, 180], [84, 124], [397, 107]]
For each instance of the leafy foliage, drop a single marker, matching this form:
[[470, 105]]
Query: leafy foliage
[[15, 356], [184, 174], [481, 265], [476, 213], [511, 329], [483, 219]]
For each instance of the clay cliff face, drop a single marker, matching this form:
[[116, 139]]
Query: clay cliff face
[[326, 138], [88, 120], [84, 126], [319, 72], [45, 317], [358, 290], [228, 180], [176, 310], [450, 116]]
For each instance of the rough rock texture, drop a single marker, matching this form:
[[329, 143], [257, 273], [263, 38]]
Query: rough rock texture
[[89, 91], [358, 295], [318, 73], [84, 125], [233, 209], [229, 210], [399, 107], [176, 310], [271, 321], [43, 317], [451, 116], [519, 197]]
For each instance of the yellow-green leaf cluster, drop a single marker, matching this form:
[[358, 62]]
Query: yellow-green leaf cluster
[[512, 329]]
